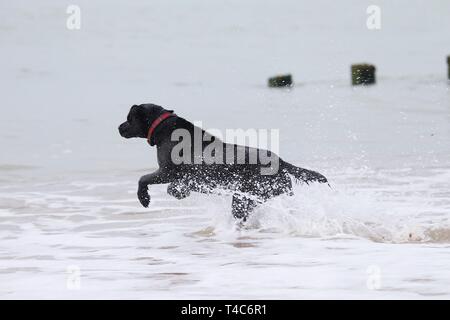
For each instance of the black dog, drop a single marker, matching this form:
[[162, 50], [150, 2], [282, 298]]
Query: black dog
[[197, 170]]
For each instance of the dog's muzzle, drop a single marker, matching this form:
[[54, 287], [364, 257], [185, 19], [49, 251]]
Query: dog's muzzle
[[124, 129]]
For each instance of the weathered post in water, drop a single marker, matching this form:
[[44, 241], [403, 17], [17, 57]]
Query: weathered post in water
[[280, 81], [363, 74], [448, 66]]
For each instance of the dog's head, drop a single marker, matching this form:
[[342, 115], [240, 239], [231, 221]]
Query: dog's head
[[139, 120]]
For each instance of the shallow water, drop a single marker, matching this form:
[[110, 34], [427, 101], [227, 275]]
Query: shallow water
[[320, 243], [70, 223]]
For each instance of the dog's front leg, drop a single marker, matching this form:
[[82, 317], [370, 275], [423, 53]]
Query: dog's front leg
[[156, 177]]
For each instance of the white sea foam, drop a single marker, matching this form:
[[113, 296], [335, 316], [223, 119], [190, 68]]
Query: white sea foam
[[194, 245]]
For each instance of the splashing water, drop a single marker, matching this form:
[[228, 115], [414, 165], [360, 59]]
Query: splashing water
[[380, 215]]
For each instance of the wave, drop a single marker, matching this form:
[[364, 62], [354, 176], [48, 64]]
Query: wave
[[317, 211]]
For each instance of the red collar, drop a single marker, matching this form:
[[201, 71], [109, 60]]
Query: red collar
[[157, 122]]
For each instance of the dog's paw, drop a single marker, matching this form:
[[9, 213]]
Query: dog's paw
[[144, 197]]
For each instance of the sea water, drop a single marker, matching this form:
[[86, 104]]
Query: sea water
[[70, 222]]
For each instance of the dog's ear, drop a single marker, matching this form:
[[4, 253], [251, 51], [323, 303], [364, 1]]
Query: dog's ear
[[138, 111], [133, 108]]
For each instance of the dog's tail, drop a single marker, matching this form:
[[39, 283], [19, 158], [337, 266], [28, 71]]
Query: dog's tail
[[303, 175]]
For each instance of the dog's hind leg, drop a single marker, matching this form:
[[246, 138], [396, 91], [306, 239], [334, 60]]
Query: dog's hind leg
[[178, 190], [241, 206]]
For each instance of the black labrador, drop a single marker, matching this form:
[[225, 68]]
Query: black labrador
[[206, 164]]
